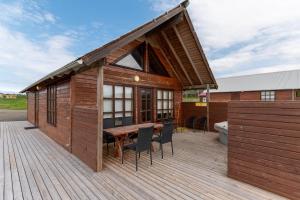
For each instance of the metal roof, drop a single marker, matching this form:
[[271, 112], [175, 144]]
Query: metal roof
[[266, 81]]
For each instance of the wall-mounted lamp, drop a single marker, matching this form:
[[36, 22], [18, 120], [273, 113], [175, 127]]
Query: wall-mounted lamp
[[136, 78], [38, 87]]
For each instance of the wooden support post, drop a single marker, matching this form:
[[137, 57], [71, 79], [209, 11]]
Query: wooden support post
[[207, 107], [146, 58], [100, 78]]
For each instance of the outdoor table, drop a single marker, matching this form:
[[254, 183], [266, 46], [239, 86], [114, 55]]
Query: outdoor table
[[120, 133]]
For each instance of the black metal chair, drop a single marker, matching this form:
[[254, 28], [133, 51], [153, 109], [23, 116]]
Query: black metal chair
[[203, 123], [165, 137], [107, 137], [190, 122], [143, 143]]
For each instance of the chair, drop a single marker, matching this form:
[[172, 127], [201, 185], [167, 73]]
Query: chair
[[107, 137], [143, 143], [203, 123], [165, 137], [190, 122]]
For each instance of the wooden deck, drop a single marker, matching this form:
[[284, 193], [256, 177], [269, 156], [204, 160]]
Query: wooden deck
[[32, 166]]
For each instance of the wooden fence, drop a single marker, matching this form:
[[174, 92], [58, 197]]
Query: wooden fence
[[217, 112], [264, 145]]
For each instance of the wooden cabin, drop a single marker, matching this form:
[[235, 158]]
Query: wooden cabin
[[134, 79]]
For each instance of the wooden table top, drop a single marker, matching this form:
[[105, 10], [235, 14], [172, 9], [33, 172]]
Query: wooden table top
[[124, 130]]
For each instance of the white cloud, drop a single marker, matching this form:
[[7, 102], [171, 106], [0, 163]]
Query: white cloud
[[246, 36], [19, 11], [23, 60], [29, 60]]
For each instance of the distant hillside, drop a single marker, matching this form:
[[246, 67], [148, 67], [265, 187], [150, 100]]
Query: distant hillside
[[19, 103]]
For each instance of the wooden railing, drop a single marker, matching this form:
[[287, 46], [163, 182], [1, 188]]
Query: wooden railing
[[264, 145]]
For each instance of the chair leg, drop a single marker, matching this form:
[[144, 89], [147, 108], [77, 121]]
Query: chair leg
[[136, 161], [122, 156], [172, 147], [162, 151], [151, 155]]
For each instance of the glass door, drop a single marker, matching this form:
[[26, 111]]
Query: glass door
[[146, 105]]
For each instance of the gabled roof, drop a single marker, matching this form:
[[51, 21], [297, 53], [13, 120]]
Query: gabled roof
[[193, 73], [267, 81]]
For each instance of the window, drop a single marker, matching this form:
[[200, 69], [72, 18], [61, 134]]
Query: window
[[155, 66], [118, 104], [191, 95], [146, 105], [297, 93], [51, 105], [133, 60], [165, 108], [268, 95]]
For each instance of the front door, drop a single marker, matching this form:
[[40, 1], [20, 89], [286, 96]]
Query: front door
[[36, 109], [145, 105]]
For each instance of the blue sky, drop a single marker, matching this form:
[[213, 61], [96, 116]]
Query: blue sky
[[239, 37]]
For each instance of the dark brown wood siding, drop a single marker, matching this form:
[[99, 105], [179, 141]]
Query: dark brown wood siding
[[217, 112], [264, 145], [84, 135], [61, 132], [84, 116], [30, 107], [118, 75], [280, 95]]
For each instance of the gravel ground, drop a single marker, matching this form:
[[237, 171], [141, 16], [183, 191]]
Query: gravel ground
[[13, 115]]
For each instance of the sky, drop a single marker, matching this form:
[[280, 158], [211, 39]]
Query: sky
[[238, 37]]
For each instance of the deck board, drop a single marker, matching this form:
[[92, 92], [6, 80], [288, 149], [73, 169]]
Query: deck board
[[32, 166]]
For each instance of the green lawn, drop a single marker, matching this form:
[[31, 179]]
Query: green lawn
[[20, 103]]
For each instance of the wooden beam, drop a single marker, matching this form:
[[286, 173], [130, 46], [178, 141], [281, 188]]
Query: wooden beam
[[100, 78], [176, 56], [173, 70], [199, 45], [187, 54], [172, 22]]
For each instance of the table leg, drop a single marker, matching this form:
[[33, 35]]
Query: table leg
[[119, 145]]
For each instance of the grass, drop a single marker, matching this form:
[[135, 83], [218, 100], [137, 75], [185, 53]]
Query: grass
[[20, 103]]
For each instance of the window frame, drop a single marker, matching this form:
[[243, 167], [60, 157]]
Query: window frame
[[52, 105], [266, 95], [130, 52], [145, 111], [168, 105], [123, 98]]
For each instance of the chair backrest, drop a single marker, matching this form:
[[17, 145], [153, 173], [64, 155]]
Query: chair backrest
[[144, 138], [202, 120], [108, 123], [167, 132]]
